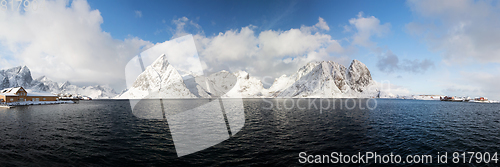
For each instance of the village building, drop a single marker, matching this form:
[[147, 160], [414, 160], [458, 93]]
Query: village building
[[19, 94]]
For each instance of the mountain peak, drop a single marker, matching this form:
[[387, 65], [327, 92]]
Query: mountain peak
[[161, 63], [356, 62]]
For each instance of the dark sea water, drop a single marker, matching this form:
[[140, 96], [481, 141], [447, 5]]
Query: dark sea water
[[106, 133]]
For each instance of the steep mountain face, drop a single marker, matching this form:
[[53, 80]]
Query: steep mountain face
[[359, 76], [316, 79], [159, 80], [14, 77], [323, 79], [21, 76]]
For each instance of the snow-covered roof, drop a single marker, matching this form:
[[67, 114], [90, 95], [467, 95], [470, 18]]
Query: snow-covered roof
[[8, 94], [14, 90], [10, 91]]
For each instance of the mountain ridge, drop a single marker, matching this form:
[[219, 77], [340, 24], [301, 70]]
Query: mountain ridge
[[324, 79]]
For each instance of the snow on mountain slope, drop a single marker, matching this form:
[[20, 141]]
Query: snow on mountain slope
[[159, 80], [96, 92], [325, 79], [224, 84], [248, 86], [16, 76], [45, 84], [316, 79]]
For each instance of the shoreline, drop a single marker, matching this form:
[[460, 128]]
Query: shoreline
[[27, 103]]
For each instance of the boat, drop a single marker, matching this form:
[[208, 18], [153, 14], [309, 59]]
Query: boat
[[458, 99], [480, 100], [447, 98]]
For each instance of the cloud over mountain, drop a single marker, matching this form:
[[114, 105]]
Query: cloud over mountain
[[65, 41], [266, 53]]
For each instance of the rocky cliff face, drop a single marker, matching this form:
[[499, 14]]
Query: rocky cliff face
[[14, 77], [323, 79], [359, 76], [316, 79]]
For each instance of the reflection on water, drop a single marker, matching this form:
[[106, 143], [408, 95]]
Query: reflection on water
[[108, 133]]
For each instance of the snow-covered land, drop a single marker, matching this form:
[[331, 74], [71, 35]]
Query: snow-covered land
[[323, 79], [428, 97], [21, 76]]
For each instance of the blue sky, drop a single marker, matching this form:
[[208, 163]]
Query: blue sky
[[421, 47], [220, 16]]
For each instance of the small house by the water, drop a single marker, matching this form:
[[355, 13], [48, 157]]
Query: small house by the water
[[18, 94]]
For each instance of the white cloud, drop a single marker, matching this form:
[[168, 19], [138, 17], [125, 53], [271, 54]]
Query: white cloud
[[183, 25], [138, 13], [366, 28], [322, 24], [65, 42], [463, 30], [267, 53]]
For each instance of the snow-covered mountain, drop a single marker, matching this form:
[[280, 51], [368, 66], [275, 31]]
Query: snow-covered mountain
[[325, 79], [249, 86], [159, 80], [316, 79], [14, 77], [21, 76], [162, 80]]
